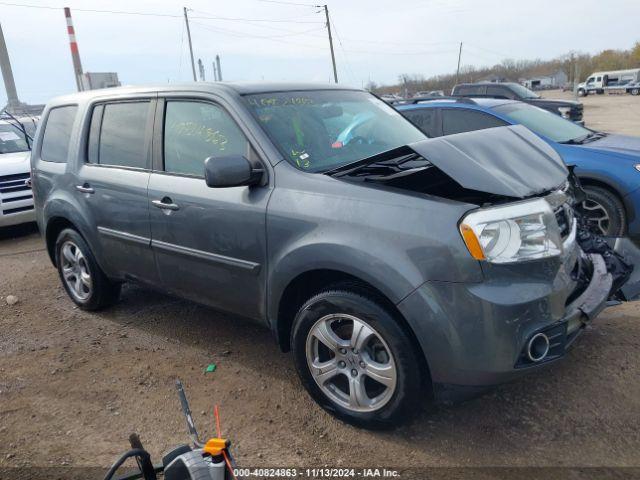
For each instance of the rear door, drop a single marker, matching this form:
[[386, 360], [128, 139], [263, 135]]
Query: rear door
[[112, 181], [209, 243]]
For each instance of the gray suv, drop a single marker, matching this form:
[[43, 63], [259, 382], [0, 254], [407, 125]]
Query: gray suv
[[392, 265]]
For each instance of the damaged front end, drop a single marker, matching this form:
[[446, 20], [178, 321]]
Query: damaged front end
[[504, 171]]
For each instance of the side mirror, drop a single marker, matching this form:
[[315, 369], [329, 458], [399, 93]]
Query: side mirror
[[230, 171]]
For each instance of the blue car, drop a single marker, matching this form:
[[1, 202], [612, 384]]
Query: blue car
[[608, 165]]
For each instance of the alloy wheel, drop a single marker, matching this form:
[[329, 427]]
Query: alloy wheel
[[351, 363], [75, 271], [596, 217]]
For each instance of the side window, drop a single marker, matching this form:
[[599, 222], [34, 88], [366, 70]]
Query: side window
[[424, 119], [501, 92], [468, 90], [194, 131], [598, 79], [120, 140], [57, 132], [462, 120], [94, 134]]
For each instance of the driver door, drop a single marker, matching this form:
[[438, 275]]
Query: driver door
[[209, 243]]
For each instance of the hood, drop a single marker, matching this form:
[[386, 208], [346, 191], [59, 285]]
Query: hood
[[623, 144], [10, 161], [509, 161], [552, 102]]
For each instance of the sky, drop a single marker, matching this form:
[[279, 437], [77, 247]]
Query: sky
[[276, 40]]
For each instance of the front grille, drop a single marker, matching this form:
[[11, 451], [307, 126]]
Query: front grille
[[576, 112], [15, 194], [564, 219]]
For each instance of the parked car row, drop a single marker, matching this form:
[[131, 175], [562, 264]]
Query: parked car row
[[394, 266]]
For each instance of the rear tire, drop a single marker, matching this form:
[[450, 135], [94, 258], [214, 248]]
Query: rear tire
[[370, 378], [82, 278], [635, 91], [604, 212]]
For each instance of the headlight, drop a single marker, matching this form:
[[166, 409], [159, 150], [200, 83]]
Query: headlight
[[512, 233], [565, 112]]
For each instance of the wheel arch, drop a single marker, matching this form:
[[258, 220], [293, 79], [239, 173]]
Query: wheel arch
[[309, 283], [59, 214]]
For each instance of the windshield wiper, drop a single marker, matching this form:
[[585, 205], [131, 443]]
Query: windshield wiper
[[589, 137]]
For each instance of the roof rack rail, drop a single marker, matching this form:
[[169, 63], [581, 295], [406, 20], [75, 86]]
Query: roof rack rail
[[413, 101]]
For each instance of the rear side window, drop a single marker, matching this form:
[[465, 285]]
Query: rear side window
[[500, 92], [468, 90], [424, 119], [117, 135], [460, 120], [194, 131], [57, 132]]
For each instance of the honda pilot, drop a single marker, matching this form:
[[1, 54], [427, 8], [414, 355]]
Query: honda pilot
[[393, 266]]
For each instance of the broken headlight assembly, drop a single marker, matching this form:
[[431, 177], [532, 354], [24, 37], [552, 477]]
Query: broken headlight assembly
[[512, 233]]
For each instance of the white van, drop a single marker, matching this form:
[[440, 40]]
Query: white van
[[599, 82]]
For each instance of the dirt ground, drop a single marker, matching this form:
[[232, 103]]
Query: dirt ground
[[73, 385], [608, 113]]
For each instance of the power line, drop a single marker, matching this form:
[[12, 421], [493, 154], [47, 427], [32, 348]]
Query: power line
[[282, 2], [166, 15], [245, 34]]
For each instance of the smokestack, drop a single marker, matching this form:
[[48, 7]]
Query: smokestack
[[218, 65], [7, 75], [75, 55]]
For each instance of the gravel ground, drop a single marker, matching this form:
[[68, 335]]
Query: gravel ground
[[73, 385]]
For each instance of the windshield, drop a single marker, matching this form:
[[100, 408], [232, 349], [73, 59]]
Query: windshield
[[321, 130], [12, 139], [523, 92], [543, 122]]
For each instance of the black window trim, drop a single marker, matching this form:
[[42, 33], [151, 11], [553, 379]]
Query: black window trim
[[44, 129], [151, 99], [158, 134]]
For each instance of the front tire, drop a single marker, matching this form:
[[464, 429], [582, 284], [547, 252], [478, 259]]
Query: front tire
[[603, 212], [355, 359], [582, 93], [635, 91], [82, 278]]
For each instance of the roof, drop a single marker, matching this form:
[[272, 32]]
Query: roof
[[486, 83], [484, 102], [240, 88]]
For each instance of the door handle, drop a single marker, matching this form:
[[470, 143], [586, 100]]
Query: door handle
[[165, 204], [85, 188]]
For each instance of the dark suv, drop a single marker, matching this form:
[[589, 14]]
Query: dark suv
[[514, 91], [384, 260]]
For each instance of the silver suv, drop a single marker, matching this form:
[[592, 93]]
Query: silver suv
[[387, 262]]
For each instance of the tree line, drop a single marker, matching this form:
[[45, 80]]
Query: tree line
[[577, 66]]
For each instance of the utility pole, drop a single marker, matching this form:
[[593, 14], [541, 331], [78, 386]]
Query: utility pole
[[7, 74], [459, 57], [75, 54], [201, 69], [193, 63], [219, 69], [333, 57]]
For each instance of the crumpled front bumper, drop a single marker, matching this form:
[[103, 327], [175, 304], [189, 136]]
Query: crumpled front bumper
[[475, 335]]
